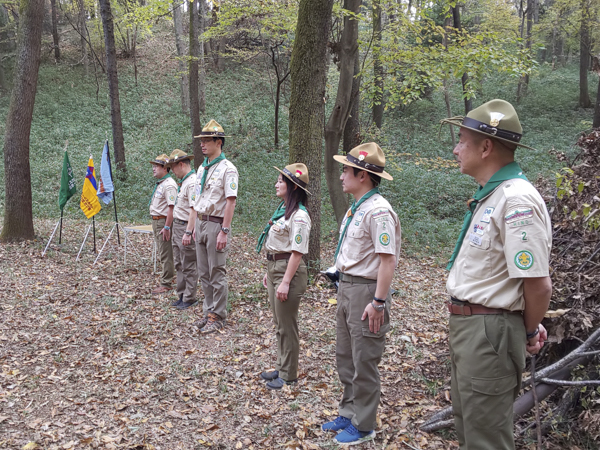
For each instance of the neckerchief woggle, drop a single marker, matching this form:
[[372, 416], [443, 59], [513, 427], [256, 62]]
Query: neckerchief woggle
[[508, 172], [278, 214], [350, 214], [207, 165], [183, 179], [156, 186]]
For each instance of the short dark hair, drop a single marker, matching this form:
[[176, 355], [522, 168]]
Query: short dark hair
[[293, 197], [376, 179]]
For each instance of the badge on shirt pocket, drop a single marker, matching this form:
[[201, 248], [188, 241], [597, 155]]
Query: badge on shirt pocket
[[487, 214]]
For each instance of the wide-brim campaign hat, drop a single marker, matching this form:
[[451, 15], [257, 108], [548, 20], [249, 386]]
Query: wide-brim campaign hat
[[212, 129], [367, 157], [161, 160], [297, 173], [495, 119], [177, 156]]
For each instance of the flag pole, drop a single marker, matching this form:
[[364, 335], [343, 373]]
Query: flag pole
[[94, 223], [114, 195]]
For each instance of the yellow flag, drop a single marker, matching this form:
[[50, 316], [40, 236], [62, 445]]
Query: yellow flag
[[89, 203]]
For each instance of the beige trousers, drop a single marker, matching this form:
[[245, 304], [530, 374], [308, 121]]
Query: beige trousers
[[164, 251], [358, 353], [184, 257], [211, 268], [285, 316]]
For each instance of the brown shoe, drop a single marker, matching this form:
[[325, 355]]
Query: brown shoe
[[201, 323], [214, 323], [160, 289]]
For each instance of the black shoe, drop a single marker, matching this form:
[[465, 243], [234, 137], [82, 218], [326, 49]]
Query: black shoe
[[178, 302], [186, 305], [278, 383], [269, 376]]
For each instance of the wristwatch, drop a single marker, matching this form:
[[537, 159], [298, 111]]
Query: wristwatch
[[225, 230], [533, 334], [376, 307], [189, 233]]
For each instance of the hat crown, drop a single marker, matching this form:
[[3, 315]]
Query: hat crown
[[162, 159], [178, 155], [498, 113], [370, 153], [298, 170], [213, 127]]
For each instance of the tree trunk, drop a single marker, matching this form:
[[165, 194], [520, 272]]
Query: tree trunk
[[183, 77], [3, 46], [352, 129], [113, 86], [193, 79], [465, 76], [83, 43], [377, 66], [18, 214], [308, 75], [341, 110], [524, 80], [447, 25], [597, 107], [201, 61], [55, 30], [584, 55]]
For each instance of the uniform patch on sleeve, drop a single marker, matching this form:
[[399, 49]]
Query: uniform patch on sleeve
[[520, 223], [300, 221], [524, 260], [380, 213], [384, 239], [232, 185], [171, 198], [298, 239], [517, 214]]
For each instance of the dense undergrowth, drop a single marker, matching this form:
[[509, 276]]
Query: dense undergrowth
[[428, 191]]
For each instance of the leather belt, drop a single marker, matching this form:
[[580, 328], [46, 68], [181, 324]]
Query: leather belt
[[158, 217], [469, 309], [278, 256], [180, 222], [208, 218], [355, 280]]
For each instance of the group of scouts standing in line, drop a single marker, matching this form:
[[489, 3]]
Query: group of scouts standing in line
[[499, 282]]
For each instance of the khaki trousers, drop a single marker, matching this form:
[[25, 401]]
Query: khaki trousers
[[165, 253], [358, 353], [184, 257], [211, 268], [488, 357], [285, 316]]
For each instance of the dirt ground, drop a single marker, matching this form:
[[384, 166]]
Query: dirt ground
[[90, 359]]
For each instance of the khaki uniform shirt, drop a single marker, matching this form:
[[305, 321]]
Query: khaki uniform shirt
[[165, 196], [509, 239], [375, 228], [185, 199], [221, 183], [290, 235]]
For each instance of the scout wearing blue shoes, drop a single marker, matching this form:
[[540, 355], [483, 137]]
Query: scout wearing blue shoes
[[499, 282], [366, 257]]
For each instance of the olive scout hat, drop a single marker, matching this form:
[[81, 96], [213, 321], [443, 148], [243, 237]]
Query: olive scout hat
[[161, 160], [297, 173], [212, 129], [367, 157], [178, 155], [495, 119]]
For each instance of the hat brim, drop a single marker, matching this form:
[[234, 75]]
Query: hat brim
[[458, 123], [291, 179], [159, 163], [342, 159], [210, 135]]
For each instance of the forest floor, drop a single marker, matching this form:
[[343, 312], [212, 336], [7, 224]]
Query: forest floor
[[90, 359]]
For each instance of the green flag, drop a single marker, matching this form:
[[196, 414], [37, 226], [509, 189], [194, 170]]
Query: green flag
[[67, 183]]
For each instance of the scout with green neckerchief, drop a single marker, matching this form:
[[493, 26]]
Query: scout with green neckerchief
[[499, 282]]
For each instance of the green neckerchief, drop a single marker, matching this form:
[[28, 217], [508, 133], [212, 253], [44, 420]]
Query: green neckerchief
[[278, 214], [156, 186], [207, 165], [183, 179], [350, 214], [508, 172]]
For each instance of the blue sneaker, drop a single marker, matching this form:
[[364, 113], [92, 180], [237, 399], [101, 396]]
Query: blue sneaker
[[339, 423], [351, 436]]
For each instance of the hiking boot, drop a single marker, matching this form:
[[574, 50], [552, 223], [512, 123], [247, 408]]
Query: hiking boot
[[214, 323], [186, 305], [200, 323], [278, 383], [337, 424], [160, 290], [269, 376], [178, 302], [351, 436]]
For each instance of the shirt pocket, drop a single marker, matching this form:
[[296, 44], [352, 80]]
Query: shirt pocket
[[355, 237], [477, 259]]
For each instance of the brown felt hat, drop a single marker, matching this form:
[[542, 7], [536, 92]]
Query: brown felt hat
[[178, 156], [161, 160], [367, 157], [212, 129], [495, 119], [297, 173]]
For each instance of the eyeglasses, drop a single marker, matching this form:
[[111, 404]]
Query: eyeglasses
[[206, 140]]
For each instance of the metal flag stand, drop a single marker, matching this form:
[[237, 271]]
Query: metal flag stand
[[52, 235], [93, 224], [116, 226]]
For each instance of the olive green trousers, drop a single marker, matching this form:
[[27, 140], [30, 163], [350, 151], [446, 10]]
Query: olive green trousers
[[184, 257], [164, 250]]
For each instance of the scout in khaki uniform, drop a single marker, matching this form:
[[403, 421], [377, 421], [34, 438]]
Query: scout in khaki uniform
[[161, 211], [216, 193], [366, 256], [184, 249], [286, 239], [498, 282]]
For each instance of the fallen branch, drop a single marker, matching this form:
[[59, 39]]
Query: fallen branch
[[571, 383]]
